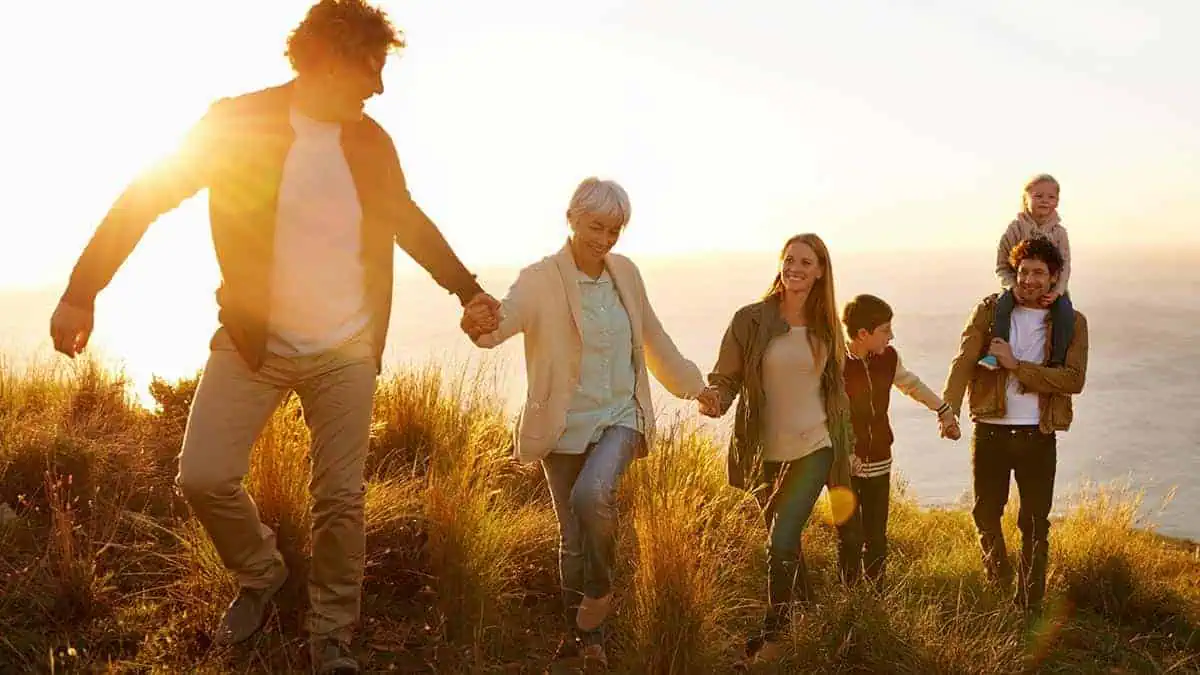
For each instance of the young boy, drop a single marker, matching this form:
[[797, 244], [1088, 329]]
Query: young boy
[[1038, 218], [872, 369]]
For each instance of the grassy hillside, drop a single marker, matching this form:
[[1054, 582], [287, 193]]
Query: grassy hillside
[[103, 569]]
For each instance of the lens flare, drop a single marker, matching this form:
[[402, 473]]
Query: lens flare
[[841, 504]]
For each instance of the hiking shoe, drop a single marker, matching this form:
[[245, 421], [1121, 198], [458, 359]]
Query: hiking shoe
[[331, 656], [248, 611], [760, 649], [592, 612], [989, 362]]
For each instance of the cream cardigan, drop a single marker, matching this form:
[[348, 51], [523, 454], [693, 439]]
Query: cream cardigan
[[544, 304]]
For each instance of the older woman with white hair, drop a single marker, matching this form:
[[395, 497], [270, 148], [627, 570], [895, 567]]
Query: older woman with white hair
[[590, 335]]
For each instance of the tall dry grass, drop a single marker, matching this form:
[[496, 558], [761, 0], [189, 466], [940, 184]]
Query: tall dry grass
[[106, 570]]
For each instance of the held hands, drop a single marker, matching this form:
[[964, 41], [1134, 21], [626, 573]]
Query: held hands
[[948, 426], [70, 328], [709, 402], [1003, 353], [481, 315]]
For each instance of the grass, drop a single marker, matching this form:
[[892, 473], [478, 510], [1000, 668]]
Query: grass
[[105, 570]]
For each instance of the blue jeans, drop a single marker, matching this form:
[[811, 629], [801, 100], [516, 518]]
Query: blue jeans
[[797, 485], [584, 491], [1062, 324]]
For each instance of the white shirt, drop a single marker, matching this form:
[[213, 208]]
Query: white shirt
[[318, 298], [1027, 337], [795, 411], [604, 396]]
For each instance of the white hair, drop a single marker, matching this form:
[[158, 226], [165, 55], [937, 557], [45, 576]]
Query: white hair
[[603, 199]]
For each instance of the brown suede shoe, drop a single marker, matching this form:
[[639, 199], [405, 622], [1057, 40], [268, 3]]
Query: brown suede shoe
[[248, 611]]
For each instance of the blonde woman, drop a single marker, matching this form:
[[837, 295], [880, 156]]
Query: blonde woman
[[783, 356], [590, 336]]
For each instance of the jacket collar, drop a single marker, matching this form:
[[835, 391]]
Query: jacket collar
[[568, 271], [277, 105]]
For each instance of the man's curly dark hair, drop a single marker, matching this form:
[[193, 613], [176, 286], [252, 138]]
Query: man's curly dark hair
[[1037, 248], [351, 29]]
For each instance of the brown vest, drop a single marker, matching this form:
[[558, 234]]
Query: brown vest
[[869, 386]]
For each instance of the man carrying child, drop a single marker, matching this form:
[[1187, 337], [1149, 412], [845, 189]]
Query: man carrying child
[[1017, 409]]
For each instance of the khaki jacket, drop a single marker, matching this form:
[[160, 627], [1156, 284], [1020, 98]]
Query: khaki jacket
[[987, 387], [544, 304]]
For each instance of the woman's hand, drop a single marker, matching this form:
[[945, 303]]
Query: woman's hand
[[480, 316], [709, 402]]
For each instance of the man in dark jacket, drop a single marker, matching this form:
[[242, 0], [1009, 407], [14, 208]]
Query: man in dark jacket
[[306, 201]]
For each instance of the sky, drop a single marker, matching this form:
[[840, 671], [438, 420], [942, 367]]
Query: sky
[[878, 124]]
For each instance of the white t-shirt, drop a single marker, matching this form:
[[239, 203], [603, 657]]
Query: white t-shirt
[[318, 299], [1027, 337], [795, 412]]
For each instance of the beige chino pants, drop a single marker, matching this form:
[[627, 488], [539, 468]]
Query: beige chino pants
[[231, 407]]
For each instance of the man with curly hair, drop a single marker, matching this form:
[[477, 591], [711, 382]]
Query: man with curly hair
[[306, 201], [1017, 409]]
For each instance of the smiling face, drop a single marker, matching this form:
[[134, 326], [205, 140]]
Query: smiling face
[[593, 236], [1033, 281], [799, 268], [597, 214], [1041, 200]]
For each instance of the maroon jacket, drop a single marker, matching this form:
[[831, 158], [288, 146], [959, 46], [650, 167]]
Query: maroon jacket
[[869, 386], [237, 151]]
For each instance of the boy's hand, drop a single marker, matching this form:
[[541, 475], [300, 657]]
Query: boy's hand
[[950, 430], [1049, 298], [948, 425]]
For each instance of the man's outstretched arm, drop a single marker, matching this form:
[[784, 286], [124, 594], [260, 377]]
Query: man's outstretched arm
[[159, 189], [164, 186]]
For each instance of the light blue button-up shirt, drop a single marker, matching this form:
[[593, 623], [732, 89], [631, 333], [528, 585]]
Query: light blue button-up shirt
[[604, 396]]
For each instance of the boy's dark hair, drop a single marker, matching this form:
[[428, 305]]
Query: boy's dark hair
[[351, 29], [1037, 248], [865, 312]]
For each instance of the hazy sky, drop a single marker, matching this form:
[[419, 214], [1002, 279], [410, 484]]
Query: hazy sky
[[733, 124]]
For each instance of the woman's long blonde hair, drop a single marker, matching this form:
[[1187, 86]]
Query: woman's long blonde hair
[[820, 309]]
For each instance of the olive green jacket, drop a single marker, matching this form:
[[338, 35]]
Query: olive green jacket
[[738, 375]]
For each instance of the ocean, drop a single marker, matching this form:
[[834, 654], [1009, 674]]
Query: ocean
[[1137, 422]]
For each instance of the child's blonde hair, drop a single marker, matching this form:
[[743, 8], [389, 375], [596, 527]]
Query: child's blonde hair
[[1036, 180]]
